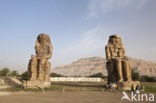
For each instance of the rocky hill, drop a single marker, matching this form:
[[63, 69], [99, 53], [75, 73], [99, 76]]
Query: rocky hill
[[88, 66]]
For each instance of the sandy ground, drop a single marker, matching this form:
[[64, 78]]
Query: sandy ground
[[67, 97]]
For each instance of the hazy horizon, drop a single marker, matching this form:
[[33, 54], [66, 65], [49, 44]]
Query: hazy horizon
[[78, 29]]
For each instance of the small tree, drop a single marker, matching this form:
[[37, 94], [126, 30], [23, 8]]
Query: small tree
[[14, 73], [55, 75], [146, 78], [4, 72], [24, 76], [135, 76], [97, 75]]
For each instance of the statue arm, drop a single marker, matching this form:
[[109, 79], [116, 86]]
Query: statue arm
[[108, 54], [49, 55], [37, 46]]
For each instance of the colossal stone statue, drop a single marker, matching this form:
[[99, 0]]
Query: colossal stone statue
[[118, 67], [117, 63], [39, 66]]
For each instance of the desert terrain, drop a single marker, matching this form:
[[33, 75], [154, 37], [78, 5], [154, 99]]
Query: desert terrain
[[68, 93], [93, 65], [66, 97]]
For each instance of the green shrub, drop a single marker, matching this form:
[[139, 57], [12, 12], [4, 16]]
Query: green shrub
[[4, 72], [150, 89], [56, 75], [135, 76], [33, 89], [97, 75], [53, 87], [147, 79], [24, 76], [15, 74]]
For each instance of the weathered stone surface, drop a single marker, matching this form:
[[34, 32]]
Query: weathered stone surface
[[36, 84], [126, 85], [32, 68], [43, 47], [10, 81], [39, 66], [2, 82], [118, 66]]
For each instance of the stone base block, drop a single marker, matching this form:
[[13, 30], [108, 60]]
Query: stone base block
[[36, 84], [126, 85]]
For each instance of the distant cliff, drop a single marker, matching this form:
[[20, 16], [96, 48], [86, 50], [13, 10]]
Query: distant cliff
[[89, 66]]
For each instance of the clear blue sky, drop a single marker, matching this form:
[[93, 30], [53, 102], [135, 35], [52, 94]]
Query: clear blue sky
[[78, 29]]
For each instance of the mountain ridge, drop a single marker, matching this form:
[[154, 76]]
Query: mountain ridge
[[92, 65]]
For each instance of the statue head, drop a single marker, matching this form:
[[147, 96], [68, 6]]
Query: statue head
[[43, 38], [43, 46], [115, 40]]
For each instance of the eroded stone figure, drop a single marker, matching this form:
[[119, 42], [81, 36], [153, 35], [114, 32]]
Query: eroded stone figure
[[39, 66], [43, 47], [118, 66], [32, 68]]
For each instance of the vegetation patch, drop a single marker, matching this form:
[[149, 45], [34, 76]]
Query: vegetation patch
[[150, 89]]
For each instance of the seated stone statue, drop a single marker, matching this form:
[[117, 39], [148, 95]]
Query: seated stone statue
[[39, 66], [118, 66]]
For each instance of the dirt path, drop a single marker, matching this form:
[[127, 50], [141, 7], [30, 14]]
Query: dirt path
[[67, 97]]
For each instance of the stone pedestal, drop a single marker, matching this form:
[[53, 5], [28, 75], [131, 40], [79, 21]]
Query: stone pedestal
[[126, 85], [36, 84]]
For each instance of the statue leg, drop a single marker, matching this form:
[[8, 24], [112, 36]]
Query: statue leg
[[47, 72], [29, 70], [130, 73], [127, 70], [110, 69], [41, 66], [119, 69], [32, 69]]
